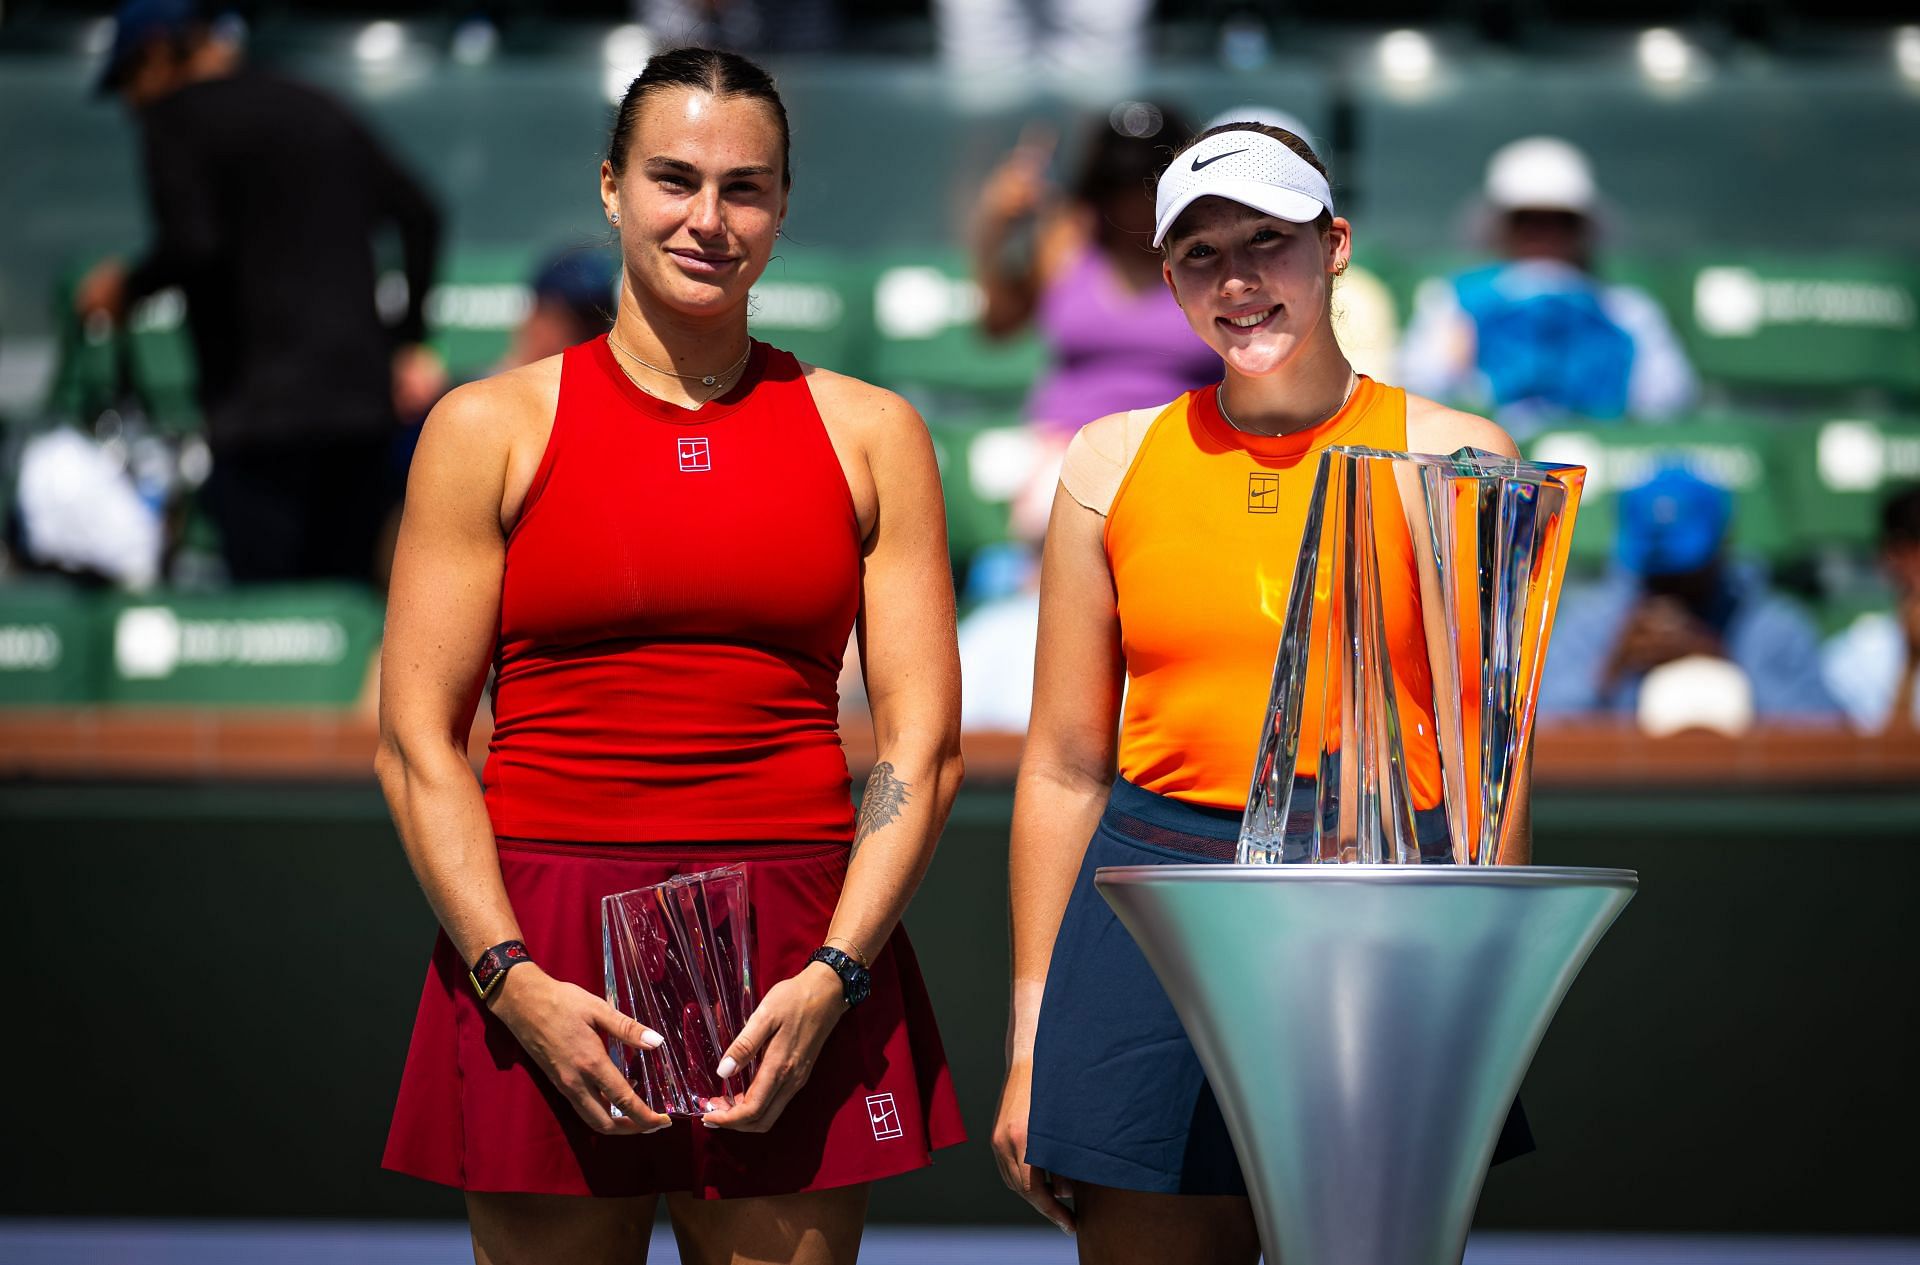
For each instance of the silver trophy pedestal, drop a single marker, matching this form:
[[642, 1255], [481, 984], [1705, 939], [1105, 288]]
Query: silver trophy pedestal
[[1365, 1029]]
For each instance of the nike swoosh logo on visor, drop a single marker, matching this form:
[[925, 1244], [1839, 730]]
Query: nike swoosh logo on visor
[[1198, 162]]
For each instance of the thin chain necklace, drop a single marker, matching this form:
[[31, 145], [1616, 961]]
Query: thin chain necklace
[[1220, 401], [701, 379], [719, 390]]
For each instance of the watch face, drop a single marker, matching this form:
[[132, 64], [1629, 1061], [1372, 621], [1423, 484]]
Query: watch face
[[858, 986]]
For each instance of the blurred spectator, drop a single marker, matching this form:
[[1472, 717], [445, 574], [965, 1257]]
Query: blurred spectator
[[265, 197], [1090, 283], [997, 639], [785, 26], [1086, 45], [1536, 336], [574, 296], [1871, 667], [1673, 601]]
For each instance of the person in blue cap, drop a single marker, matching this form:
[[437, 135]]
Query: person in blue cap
[[1675, 594], [575, 293], [265, 198]]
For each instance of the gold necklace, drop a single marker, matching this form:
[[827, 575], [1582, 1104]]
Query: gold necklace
[[1220, 400], [705, 379]]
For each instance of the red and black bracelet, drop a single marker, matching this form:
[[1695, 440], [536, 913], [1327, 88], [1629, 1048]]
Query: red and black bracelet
[[494, 965]]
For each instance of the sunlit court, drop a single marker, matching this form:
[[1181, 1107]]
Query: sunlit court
[[538, 542]]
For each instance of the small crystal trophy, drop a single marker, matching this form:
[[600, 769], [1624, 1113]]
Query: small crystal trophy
[[1403, 693], [678, 960]]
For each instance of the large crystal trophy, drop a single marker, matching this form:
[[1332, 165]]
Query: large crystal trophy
[[1365, 1017], [678, 960], [1410, 658]]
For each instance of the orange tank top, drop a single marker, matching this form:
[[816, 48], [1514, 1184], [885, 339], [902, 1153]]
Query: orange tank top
[[1202, 538]]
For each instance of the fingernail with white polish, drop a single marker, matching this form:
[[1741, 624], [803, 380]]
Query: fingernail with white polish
[[653, 1040], [727, 1067]]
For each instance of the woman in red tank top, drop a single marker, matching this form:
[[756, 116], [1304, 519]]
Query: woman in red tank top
[[660, 542]]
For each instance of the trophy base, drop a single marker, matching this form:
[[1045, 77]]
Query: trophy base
[[1365, 1029]]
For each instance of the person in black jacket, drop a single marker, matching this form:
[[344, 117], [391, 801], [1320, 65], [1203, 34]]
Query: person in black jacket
[[266, 196]]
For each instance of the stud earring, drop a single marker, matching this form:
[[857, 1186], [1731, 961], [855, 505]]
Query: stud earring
[[614, 218]]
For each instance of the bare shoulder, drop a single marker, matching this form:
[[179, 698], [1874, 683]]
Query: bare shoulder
[[496, 411], [1433, 427], [871, 415], [484, 439]]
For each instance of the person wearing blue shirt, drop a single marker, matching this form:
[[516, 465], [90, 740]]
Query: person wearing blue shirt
[[1674, 594], [1873, 666], [1536, 337]]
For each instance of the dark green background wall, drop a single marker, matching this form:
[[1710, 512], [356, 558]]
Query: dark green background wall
[[210, 990]]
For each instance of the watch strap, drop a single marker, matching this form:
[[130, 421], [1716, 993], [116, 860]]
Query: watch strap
[[493, 965], [856, 982]]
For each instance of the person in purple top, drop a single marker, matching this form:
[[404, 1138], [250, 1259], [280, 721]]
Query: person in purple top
[[1090, 284]]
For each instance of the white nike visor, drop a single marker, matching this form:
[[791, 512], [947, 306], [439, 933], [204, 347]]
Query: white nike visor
[[1250, 168]]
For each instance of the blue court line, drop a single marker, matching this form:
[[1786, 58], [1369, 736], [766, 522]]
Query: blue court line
[[35, 1242]]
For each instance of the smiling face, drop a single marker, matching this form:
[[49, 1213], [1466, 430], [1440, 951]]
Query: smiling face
[[1255, 288], [700, 199]]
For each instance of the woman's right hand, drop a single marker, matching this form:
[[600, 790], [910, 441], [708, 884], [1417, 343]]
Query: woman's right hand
[[565, 1028], [1038, 1187]]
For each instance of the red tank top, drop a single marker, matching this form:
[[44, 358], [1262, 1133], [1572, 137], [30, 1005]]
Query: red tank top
[[678, 593]]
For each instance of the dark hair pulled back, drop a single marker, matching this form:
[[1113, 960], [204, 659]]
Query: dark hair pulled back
[[1325, 219], [1125, 150], [710, 70]]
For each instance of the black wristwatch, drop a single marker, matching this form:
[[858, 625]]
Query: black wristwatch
[[855, 980], [494, 965]]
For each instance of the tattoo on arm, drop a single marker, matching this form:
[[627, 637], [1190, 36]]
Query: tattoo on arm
[[880, 805]]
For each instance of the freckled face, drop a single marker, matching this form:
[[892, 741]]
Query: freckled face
[[1254, 287], [702, 198]]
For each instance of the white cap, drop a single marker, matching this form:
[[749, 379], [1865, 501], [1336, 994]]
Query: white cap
[[1540, 173], [1250, 168], [1696, 692]]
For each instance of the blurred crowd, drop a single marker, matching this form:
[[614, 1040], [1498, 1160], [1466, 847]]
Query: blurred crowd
[[311, 395]]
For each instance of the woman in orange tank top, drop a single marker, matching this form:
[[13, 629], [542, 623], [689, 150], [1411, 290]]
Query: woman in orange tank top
[[1167, 567]]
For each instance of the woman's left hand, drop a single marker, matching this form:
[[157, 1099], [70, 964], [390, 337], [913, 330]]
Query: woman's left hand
[[786, 1030]]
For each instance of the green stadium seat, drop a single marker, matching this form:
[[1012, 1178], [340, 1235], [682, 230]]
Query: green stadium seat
[[480, 298], [1839, 470], [48, 645], [1742, 456], [978, 501], [281, 646], [817, 305], [1829, 322], [926, 315], [160, 367]]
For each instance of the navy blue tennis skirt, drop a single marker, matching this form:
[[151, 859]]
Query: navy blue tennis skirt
[[1118, 1095]]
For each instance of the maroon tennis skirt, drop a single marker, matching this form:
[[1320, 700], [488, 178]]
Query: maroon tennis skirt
[[477, 1113]]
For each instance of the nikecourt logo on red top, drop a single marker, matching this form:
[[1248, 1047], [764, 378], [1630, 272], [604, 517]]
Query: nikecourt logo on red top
[[695, 454]]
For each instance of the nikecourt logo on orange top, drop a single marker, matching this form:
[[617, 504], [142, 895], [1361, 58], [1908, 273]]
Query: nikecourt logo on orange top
[[1263, 492]]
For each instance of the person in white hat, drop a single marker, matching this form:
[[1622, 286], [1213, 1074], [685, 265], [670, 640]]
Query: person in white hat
[[1536, 336], [1168, 558]]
